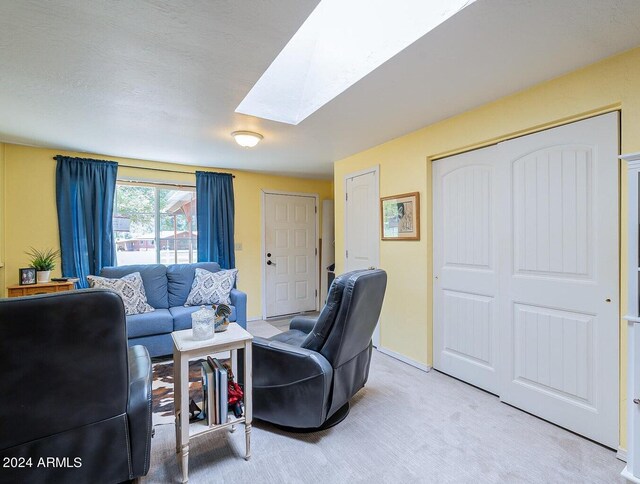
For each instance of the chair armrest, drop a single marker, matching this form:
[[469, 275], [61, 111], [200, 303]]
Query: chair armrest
[[239, 300], [139, 409], [291, 385], [303, 323], [276, 363]]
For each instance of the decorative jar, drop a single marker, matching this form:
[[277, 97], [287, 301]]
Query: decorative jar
[[202, 322]]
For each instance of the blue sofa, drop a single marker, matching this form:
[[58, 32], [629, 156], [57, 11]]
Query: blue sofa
[[167, 288]]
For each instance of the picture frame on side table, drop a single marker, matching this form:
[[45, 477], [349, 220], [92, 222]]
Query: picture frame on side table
[[400, 217], [27, 276]]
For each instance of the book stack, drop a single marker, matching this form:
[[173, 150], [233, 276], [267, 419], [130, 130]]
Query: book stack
[[215, 386]]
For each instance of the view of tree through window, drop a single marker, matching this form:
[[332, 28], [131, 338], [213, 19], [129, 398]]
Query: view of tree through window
[[155, 225]]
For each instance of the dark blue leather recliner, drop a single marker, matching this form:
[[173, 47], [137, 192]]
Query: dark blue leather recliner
[[305, 377], [73, 392]]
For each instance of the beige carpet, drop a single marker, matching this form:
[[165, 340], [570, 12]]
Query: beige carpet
[[405, 426]]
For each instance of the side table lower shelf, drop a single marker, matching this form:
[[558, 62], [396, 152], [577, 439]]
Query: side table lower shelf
[[199, 428]]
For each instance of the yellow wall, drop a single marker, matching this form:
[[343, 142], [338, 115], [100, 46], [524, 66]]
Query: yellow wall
[[2, 232], [31, 217], [406, 321]]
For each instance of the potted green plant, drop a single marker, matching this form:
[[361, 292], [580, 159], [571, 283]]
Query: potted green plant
[[43, 261]]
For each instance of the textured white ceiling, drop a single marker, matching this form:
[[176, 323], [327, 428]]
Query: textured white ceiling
[[159, 79]]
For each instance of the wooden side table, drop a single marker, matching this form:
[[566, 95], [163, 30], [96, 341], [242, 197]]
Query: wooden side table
[[185, 348], [45, 288]]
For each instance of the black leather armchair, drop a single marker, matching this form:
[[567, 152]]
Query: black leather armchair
[[76, 401], [305, 377]]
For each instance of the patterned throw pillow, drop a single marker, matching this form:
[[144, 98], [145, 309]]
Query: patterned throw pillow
[[130, 288], [211, 287]]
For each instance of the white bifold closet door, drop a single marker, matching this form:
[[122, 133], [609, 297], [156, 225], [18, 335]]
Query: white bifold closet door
[[466, 270], [526, 263]]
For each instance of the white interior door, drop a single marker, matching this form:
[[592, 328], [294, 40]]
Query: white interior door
[[560, 276], [466, 267], [361, 222], [526, 263], [362, 219], [290, 254]]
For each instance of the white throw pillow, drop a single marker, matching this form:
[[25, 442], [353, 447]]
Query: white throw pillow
[[130, 288], [211, 287]]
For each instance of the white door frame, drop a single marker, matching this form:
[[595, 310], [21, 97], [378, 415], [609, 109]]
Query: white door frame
[[263, 228], [376, 174]]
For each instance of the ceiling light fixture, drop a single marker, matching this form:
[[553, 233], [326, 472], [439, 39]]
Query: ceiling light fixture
[[247, 139]]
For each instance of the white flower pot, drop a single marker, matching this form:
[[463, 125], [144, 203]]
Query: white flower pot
[[43, 276]]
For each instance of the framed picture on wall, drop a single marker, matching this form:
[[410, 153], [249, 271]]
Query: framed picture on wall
[[400, 217], [27, 276]]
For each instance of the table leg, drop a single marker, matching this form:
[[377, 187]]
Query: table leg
[[181, 390], [185, 462], [176, 397], [247, 443], [248, 396], [234, 370]]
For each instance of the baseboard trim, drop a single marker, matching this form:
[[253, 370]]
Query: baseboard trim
[[629, 477], [404, 359], [621, 454], [257, 318]]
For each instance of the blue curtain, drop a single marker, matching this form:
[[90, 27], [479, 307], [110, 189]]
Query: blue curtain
[[85, 191], [215, 212]]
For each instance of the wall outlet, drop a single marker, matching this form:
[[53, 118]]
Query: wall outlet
[[238, 246]]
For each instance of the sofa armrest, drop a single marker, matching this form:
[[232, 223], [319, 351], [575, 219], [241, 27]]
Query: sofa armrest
[[139, 409], [303, 323], [239, 300]]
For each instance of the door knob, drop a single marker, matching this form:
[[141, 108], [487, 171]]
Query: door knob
[[269, 263], [268, 254], [608, 299]]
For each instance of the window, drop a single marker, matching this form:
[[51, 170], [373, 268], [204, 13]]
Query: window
[[155, 225]]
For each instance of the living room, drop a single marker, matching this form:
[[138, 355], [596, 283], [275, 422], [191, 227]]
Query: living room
[[472, 186]]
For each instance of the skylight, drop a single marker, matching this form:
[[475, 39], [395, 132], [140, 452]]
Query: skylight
[[341, 42]]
